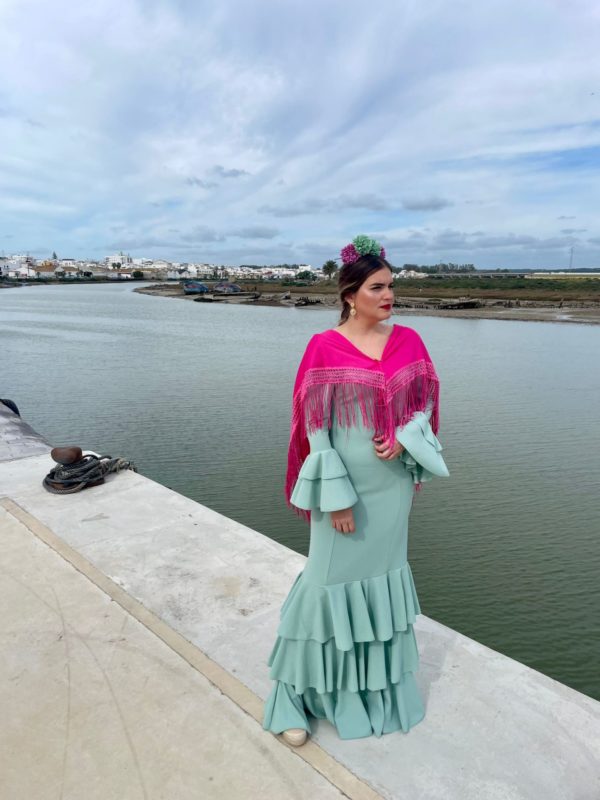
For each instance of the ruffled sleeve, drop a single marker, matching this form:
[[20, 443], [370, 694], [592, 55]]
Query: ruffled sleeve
[[422, 449], [323, 482]]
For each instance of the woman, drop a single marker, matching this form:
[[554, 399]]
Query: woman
[[365, 415]]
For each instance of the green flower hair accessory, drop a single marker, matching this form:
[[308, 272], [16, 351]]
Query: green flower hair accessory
[[366, 246], [361, 246]]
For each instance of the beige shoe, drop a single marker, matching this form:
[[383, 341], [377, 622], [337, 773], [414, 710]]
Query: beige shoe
[[295, 736]]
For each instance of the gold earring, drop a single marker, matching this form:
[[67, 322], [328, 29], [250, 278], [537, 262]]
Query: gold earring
[[352, 310]]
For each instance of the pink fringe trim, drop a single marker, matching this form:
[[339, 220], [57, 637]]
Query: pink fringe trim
[[383, 405]]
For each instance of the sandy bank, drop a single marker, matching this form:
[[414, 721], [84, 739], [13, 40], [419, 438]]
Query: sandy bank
[[497, 308]]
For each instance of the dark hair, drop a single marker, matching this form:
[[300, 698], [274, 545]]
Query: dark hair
[[352, 276]]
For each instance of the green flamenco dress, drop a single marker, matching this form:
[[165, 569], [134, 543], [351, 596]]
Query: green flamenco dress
[[345, 649]]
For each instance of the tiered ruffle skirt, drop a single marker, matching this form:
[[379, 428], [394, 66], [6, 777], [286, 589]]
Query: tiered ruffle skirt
[[347, 653]]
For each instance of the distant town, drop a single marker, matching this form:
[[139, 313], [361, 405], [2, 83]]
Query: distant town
[[121, 266]]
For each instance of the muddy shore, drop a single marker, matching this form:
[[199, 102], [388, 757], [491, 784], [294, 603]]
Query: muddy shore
[[490, 308]]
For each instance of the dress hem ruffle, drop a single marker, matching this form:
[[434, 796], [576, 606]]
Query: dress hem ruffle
[[305, 664], [364, 610], [355, 715], [347, 652]]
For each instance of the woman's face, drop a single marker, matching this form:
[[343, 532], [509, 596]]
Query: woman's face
[[375, 297]]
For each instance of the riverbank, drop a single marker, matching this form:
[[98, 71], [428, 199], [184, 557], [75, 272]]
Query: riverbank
[[581, 312]]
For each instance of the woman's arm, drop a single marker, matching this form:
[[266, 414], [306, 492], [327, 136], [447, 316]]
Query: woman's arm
[[323, 483]]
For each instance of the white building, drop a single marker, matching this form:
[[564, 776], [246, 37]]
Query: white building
[[66, 272], [160, 263], [27, 272], [5, 266], [410, 273], [120, 259], [120, 275], [18, 267], [281, 273], [189, 271], [21, 259]]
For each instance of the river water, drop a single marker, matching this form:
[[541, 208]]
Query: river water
[[198, 395]]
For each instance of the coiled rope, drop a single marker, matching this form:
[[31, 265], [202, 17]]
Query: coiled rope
[[88, 471]]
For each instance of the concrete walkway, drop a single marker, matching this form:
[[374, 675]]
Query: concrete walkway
[[136, 626], [96, 705]]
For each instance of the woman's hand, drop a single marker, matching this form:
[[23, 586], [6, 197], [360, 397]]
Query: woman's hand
[[387, 453], [343, 521]]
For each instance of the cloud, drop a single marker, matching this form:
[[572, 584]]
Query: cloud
[[304, 207], [452, 144], [312, 205], [369, 202], [425, 204], [167, 202], [228, 173], [410, 239], [255, 232], [141, 243], [508, 240], [552, 243], [194, 181], [202, 233], [478, 241]]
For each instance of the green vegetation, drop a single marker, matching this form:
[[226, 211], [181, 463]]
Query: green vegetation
[[508, 287], [584, 289], [303, 278], [330, 268], [499, 284]]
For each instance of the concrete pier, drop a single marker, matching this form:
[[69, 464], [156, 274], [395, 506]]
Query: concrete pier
[[136, 625]]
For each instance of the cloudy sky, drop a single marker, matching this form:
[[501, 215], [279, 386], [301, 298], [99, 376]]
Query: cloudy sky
[[276, 130]]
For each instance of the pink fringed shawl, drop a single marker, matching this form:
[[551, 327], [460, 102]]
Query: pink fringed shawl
[[333, 373]]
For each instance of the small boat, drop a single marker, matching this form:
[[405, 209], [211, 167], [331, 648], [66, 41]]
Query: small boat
[[461, 302], [226, 297], [194, 287], [227, 288], [307, 301], [209, 297]]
